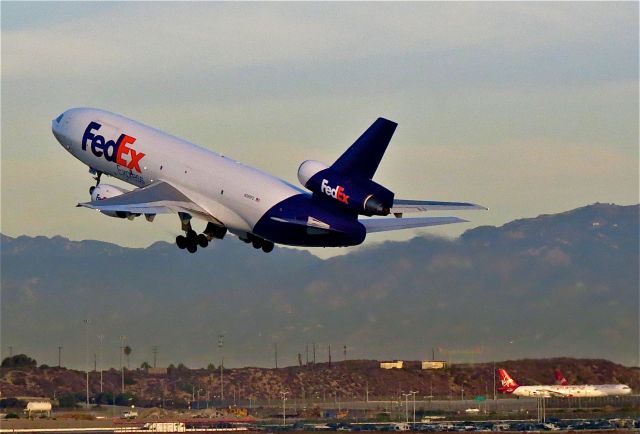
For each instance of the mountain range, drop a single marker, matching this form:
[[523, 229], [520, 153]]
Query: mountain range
[[554, 285]]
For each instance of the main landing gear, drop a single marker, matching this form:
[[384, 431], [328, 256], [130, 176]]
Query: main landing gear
[[258, 243], [192, 240]]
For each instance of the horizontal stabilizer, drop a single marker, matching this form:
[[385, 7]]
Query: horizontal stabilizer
[[156, 198], [310, 223], [395, 224], [401, 206], [363, 157]]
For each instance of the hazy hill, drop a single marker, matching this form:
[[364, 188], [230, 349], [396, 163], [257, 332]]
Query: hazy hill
[[350, 380], [554, 285]]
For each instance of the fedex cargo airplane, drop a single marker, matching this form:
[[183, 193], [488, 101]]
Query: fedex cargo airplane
[[172, 175], [559, 390]]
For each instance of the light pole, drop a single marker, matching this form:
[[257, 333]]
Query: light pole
[[59, 356], [406, 406], [101, 340], [122, 339], [284, 394], [86, 353], [220, 346], [414, 406]]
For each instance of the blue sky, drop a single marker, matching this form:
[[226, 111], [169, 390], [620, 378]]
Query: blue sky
[[527, 108]]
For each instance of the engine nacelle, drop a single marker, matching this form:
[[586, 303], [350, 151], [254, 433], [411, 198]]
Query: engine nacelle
[[356, 193], [107, 191]]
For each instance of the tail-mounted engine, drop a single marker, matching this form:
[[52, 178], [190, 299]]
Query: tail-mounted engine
[[359, 194], [107, 191]]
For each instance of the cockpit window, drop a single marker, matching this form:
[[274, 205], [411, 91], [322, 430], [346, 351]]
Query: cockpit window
[[59, 118]]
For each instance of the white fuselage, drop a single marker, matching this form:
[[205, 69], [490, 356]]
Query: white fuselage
[[570, 391], [234, 193]]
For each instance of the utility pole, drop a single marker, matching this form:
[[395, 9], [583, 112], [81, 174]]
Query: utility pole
[[345, 353], [329, 355], [275, 353], [314, 353], [59, 356], [284, 394], [86, 353], [220, 346], [307, 354], [95, 362], [154, 349]]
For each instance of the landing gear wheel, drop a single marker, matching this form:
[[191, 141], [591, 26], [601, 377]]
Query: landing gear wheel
[[203, 241], [191, 234], [181, 242], [192, 247], [267, 247], [256, 243]]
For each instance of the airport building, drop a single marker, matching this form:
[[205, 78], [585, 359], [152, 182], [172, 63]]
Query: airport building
[[434, 364], [397, 364]]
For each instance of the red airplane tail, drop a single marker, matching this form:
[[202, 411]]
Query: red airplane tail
[[508, 383], [560, 378]]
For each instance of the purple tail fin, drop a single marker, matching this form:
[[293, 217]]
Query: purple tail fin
[[363, 157]]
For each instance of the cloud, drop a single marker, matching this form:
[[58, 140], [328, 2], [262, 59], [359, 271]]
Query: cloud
[[171, 39]]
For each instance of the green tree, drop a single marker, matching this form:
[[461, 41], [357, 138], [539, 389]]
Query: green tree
[[211, 367], [125, 399], [127, 352], [145, 365], [19, 361], [68, 400]]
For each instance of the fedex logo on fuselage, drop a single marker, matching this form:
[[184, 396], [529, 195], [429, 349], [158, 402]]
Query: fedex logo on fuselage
[[336, 193], [113, 151]]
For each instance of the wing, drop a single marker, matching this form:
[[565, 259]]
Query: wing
[[401, 206], [394, 224], [159, 197]]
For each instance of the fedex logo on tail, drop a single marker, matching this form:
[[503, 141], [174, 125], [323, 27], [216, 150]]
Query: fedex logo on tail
[[336, 193], [508, 383], [114, 151]]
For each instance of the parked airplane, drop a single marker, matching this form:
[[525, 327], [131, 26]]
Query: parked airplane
[[175, 176], [560, 391]]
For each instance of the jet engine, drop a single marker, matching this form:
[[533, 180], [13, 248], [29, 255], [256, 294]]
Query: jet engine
[[107, 191], [356, 193]]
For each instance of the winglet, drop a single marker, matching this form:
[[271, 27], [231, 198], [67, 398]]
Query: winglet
[[364, 156]]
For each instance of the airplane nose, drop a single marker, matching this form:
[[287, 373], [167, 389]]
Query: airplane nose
[[59, 126]]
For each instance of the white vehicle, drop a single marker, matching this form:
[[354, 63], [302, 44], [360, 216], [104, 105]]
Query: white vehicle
[[130, 414], [175, 176], [402, 426], [558, 390]]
